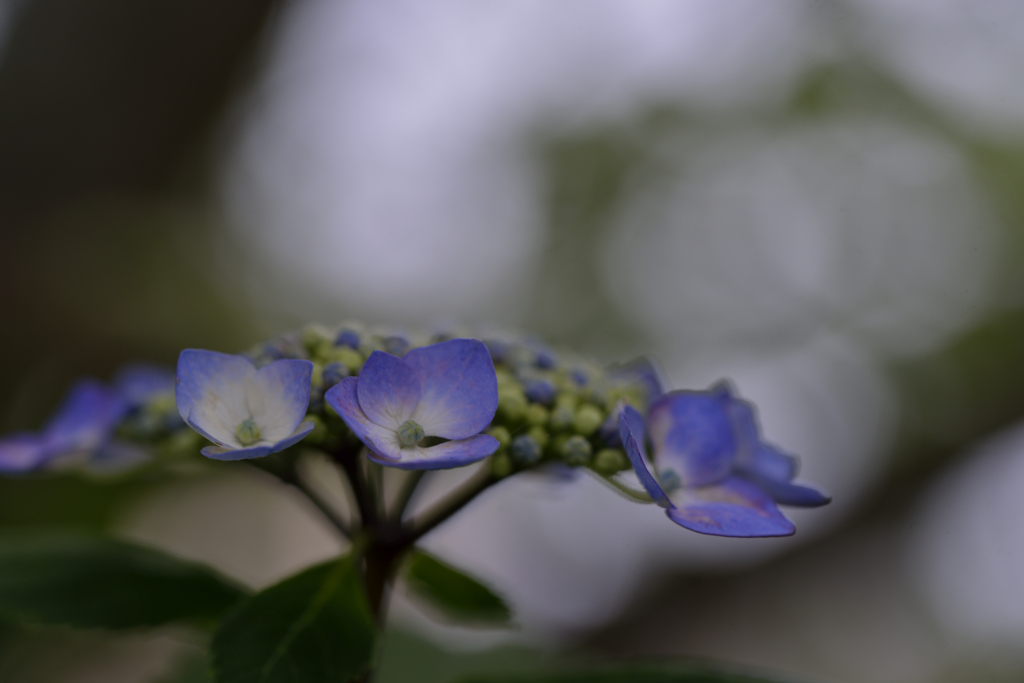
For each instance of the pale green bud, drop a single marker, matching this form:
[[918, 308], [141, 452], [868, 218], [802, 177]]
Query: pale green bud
[[248, 432], [511, 404], [410, 433], [587, 419], [575, 451], [525, 450], [608, 461], [501, 465], [540, 435], [349, 357], [536, 415], [501, 434]]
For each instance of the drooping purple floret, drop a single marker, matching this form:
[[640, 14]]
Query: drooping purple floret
[[711, 470]]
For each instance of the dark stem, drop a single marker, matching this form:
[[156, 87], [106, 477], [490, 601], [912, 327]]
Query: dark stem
[[405, 494], [454, 502]]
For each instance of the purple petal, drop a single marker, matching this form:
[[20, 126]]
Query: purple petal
[[221, 453], [278, 397], [442, 456], [21, 452], [631, 431], [785, 493], [769, 463], [641, 372], [388, 390], [86, 419], [460, 389], [139, 382], [732, 508], [693, 435], [210, 392], [343, 398]]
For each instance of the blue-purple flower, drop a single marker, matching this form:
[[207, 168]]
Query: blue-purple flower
[[711, 471], [83, 424], [447, 391], [247, 412]]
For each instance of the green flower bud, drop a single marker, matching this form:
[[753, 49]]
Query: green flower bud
[[511, 404], [348, 357], [317, 340], [563, 413], [575, 451], [371, 343], [410, 433], [540, 435], [536, 415], [587, 419], [248, 432], [502, 435], [608, 461], [316, 379], [501, 465]]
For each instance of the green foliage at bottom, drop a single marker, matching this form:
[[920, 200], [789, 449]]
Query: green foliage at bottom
[[310, 628]]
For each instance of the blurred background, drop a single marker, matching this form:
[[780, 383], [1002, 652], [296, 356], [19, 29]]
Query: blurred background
[[820, 200]]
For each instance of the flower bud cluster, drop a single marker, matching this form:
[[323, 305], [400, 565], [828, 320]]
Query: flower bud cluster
[[553, 407]]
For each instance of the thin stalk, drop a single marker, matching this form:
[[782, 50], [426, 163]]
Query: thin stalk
[[405, 494], [329, 512], [454, 502]]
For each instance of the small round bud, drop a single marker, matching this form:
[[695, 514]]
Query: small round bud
[[332, 374], [540, 435], [580, 377], [248, 432], [536, 415], [545, 359], [396, 345], [562, 417], [501, 434], [525, 450], [315, 338], [371, 344], [511, 404], [347, 337], [540, 391], [501, 465], [347, 356], [587, 419], [410, 433], [608, 461], [284, 347], [575, 451]]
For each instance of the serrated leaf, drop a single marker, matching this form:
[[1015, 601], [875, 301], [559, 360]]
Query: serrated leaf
[[312, 627], [95, 582], [631, 674], [455, 594]]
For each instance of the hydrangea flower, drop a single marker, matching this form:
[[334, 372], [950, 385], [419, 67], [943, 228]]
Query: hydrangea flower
[[247, 412], [82, 425], [447, 390], [712, 472]]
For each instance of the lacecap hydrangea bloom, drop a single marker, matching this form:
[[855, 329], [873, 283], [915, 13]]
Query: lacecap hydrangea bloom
[[712, 472]]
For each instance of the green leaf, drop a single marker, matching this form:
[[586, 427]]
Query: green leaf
[[94, 582], [455, 594], [313, 627], [638, 673]]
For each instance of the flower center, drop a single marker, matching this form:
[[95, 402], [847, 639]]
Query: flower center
[[410, 433], [248, 432]]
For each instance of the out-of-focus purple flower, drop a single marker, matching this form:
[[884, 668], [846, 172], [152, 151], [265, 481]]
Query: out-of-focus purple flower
[[711, 471], [447, 390], [83, 424], [247, 412], [140, 383]]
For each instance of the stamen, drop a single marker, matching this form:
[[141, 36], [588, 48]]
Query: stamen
[[410, 433], [248, 432]]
